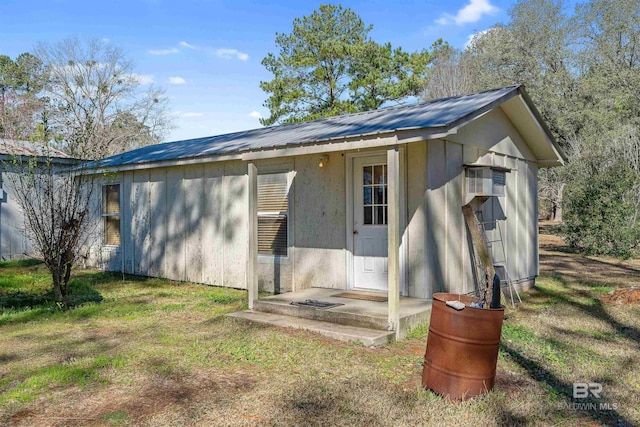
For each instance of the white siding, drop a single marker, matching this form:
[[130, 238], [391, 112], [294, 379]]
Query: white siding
[[319, 223], [190, 222], [193, 190], [213, 240], [175, 249], [234, 217], [157, 222], [436, 208], [140, 222], [455, 235], [14, 239], [417, 218]]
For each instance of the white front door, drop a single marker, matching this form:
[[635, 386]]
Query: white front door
[[370, 222]]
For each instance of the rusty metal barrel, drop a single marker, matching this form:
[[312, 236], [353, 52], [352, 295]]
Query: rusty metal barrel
[[462, 348]]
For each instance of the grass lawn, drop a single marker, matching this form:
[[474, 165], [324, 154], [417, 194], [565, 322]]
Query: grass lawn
[[142, 351]]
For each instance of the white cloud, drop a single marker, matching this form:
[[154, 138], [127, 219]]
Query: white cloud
[[187, 45], [177, 81], [191, 114], [231, 53], [475, 36], [163, 51], [143, 79], [255, 115], [472, 12]]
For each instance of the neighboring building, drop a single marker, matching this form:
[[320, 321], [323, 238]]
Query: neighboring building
[[362, 201], [14, 237]]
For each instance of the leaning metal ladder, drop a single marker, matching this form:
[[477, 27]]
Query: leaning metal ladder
[[500, 264]]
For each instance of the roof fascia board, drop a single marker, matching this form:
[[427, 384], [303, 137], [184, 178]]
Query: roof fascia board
[[43, 159], [166, 163], [350, 143], [320, 147]]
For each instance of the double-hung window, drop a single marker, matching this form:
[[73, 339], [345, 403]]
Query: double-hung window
[[273, 214], [111, 214]]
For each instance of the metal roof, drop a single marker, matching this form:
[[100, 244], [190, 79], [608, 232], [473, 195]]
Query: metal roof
[[27, 148], [437, 114]]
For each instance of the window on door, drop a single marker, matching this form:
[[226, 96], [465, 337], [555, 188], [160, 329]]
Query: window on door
[[374, 182], [273, 214]]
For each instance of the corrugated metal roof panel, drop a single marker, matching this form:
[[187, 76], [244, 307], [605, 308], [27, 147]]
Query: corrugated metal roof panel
[[440, 113], [28, 148]]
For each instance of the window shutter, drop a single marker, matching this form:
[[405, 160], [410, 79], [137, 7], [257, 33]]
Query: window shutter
[[273, 212]]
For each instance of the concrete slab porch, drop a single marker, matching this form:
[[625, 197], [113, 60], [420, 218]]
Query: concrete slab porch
[[354, 313], [365, 336]]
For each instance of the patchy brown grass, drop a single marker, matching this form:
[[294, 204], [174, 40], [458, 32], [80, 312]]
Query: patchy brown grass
[[153, 353], [556, 259]]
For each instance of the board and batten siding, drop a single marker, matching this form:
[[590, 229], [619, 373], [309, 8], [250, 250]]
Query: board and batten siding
[[185, 223], [189, 223], [439, 248], [14, 237]]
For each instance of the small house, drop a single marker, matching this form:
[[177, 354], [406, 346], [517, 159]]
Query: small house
[[368, 201]]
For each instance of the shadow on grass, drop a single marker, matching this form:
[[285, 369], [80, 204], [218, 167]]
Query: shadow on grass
[[29, 262], [32, 303], [585, 301], [596, 309], [587, 407]]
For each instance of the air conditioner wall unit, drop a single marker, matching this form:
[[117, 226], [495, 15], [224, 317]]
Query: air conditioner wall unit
[[484, 181]]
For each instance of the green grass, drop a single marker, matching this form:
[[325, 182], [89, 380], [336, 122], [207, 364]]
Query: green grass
[[116, 418], [147, 351]]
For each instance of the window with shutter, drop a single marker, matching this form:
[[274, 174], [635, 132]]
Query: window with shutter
[[273, 214], [111, 214]]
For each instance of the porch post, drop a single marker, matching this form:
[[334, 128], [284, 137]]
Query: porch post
[[252, 234], [393, 250]]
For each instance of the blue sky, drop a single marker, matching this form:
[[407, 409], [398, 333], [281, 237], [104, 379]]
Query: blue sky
[[207, 53]]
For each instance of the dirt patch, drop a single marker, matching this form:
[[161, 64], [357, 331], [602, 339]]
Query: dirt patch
[[150, 396], [510, 382], [22, 415], [622, 296], [557, 260]]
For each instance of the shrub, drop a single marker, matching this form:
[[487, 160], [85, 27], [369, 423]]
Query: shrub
[[600, 216]]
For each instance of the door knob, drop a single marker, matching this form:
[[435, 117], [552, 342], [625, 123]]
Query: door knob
[[355, 232]]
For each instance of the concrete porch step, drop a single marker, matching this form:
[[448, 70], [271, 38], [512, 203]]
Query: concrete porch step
[[356, 313], [366, 336]]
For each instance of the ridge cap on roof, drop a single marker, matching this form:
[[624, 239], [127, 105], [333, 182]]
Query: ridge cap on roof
[[383, 109]]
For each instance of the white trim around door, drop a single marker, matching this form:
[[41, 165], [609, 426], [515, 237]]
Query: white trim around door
[[349, 182]]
